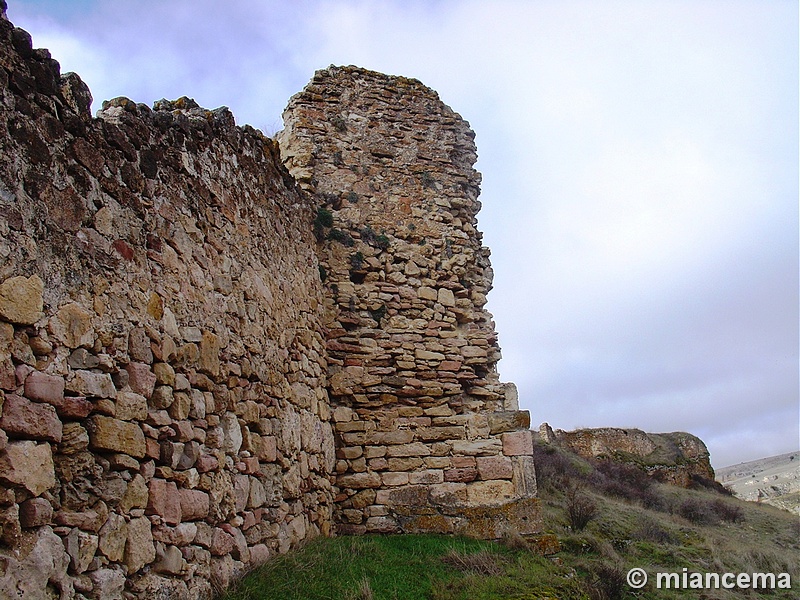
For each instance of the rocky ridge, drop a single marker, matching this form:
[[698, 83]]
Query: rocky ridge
[[677, 458]]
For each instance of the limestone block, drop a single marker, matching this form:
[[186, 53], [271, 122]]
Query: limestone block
[[72, 326], [448, 494], [501, 422], [139, 547], [524, 476], [359, 481], [130, 406], [428, 476], [445, 297], [413, 449], [427, 293], [81, 547], [40, 567], [29, 465], [91, 384], [394, 478], [139, 346], [232, 433], [113, 435], [209, 353], [112, 537], [23, 418], [108, 583], [21, 299], [486, 447], [170, 561], [490, 493]]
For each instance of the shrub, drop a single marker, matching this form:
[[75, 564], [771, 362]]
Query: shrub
[[698, 512], [727, 511], [323, 220], [650, 531], [581, 509]]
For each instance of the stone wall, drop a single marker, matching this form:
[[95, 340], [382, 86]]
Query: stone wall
[[165, 421], [428, 439], [203, 364]]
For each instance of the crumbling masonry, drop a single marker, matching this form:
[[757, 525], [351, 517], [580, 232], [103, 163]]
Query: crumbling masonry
[[214, 346]]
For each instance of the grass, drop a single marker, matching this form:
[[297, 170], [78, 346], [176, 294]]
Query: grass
[[637, 523]]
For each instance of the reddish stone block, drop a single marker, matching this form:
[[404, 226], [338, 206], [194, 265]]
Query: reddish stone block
[[163, 500], [141, 379], [518, 443], [194, 504], [23, 418], [74, 408], [462, 475], [35, 513], [44, 388], [494, 467]]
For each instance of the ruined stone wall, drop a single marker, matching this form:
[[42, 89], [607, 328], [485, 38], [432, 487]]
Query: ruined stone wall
[[164, 420], [428, 439], [203, 365]]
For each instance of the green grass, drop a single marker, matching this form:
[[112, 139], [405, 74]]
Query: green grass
[[626, 532]]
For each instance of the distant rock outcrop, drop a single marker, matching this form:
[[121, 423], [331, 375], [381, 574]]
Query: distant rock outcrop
[[675, 458]]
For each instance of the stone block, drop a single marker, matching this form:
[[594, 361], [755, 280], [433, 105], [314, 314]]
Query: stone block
[[164, 501], [44, 388], [112, 537], [358, 481], [428, 476], [141, 379], [518, 443], [23, 418], [81, 547], [513, 420], [394, 478], [29, 465], [130, 406], [91, 384], [35, 513], [413, 449], [139, 547], [494, 467], [112, 435], [21, 299], [463, 474], [524, 476], [72, 326], [490, 493]]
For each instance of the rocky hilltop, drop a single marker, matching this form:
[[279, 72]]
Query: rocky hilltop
[[675, 458], [214, 346]]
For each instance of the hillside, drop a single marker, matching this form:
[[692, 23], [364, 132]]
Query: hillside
[[602, 519], [774, 480]]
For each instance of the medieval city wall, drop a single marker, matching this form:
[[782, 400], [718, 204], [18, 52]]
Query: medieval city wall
[[203, 363]]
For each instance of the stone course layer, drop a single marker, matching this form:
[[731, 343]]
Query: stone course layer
[[428, 439], [204, 364]]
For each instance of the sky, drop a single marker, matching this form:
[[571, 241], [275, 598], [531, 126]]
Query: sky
[[640, 175]]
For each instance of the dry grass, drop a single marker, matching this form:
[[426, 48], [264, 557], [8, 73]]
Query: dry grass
[[480, 563]]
